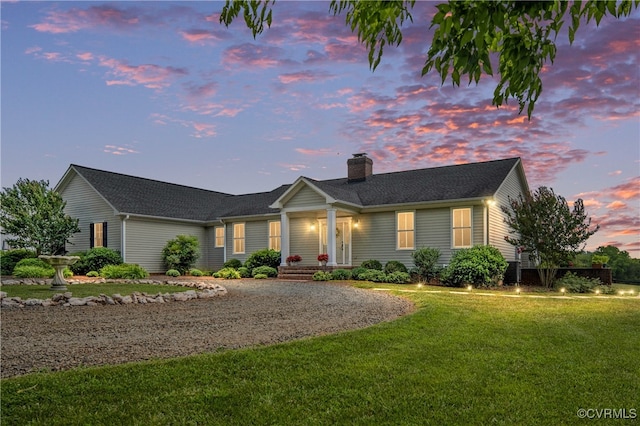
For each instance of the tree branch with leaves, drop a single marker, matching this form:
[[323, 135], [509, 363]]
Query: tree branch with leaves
[[468, 35]]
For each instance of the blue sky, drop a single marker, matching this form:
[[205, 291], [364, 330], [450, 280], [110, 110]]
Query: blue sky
[[162, 90]]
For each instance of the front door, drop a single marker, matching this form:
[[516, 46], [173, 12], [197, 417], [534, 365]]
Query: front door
[[343, 239]]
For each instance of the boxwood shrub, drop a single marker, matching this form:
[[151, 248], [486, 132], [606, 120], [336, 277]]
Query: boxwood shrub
[[398, 277], [232, 263], [264, 257], [341, 274], [172, 273], [195, 272], [478, 265], [266, 270], [244, 272], [374, 275], [322, 276], [394, 266], [356, 273], [372, 264]]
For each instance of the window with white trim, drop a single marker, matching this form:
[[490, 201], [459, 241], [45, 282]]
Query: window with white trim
[[238, 238], [219, 236], [405, 230], [274, 235], [461, 220]]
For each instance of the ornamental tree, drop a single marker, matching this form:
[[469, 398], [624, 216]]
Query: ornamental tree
[[543, 224], [469, 35], [33, 217]]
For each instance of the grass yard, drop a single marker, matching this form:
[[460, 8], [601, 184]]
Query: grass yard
[[84, 290], [459, 359]]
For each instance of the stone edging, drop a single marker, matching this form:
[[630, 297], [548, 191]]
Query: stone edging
[[204, 290]]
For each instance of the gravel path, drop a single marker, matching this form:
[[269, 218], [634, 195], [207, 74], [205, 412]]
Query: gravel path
[[252, 313]]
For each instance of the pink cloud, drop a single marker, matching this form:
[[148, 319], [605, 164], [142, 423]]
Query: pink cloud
[[253, 55], [85, 56], [148, 75], [306, 76], [616, 205], [73, 20], [315, 152], [204, 36]]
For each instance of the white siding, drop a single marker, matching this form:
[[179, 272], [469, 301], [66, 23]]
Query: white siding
[[146, 238], [84, 203], [306, 197]]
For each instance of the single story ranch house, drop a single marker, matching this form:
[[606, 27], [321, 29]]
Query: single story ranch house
[[363, 216]]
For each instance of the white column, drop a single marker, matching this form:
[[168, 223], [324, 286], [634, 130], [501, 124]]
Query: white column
[[331, 237], [284, 238]]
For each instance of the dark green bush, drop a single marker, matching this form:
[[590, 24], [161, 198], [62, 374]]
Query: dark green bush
[[181, 253], [341, 274], [124, 271], [172, 273], [576, 284], [266, 270], [99, 257], [232, 263], [227, 274], [322, 276], [195, 272], [80, 268], [244, 272], [374, 275], [398, 277], [357, 272], [264, 257], [478, 265], [9, 259], [372, 264], [426, 260], [394, 266]]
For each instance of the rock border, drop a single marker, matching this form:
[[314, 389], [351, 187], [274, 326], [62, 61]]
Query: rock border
[[204, 290]]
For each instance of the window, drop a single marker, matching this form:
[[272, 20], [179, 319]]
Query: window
[[406, 231], [461, 228], [219, 239], [238, 238], [274, 235], [98, 234]]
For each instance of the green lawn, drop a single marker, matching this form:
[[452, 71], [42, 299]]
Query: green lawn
[[459, 359], [84, 290]]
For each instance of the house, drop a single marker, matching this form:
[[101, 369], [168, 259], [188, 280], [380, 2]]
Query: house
[[363, 216]]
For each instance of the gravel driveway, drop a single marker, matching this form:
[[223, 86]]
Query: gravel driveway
[[252, 313]]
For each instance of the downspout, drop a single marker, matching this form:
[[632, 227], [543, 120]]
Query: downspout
[[224, 243], [485, 213], [123, 244]]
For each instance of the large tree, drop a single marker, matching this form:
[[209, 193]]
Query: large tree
[[469, 35], [33, 217], [542, 224]]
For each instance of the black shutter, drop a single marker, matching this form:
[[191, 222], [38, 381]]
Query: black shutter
[[104, 234], [91, 235]]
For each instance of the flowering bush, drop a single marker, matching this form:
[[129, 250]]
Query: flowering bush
[[294, 258], [324, 257]]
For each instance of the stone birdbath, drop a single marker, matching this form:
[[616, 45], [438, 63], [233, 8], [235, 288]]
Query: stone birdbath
[[59, 263]]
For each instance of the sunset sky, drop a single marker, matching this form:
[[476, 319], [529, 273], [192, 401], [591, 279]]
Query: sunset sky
[[162, 90]]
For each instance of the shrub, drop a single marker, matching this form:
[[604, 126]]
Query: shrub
[[267, 270], [29, 271], [478, 265], [341, 274], [356, 273], [80, 268], [244, 272], [93, 274], [372, 264], [322, 276], [34, 261], [125, 270], [576, 284], [172, 273], [374, 275], [604, 289], [398, 277], [181, 253], [264, 257], [425, 260], [394, 266], [97, 258], [232, 263], [260, 276], [195, 272], [227, 274], [9, 259]]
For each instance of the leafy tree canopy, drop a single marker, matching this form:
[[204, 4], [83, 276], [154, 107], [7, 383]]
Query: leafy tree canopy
[[543, 224], [33, 216], [469, 35]]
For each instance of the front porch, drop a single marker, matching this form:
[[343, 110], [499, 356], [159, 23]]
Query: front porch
[[305, 273]]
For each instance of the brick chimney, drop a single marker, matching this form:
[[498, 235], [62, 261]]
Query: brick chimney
[[359, 167]]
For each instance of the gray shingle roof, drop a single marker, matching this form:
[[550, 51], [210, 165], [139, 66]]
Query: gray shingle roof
[[463, 181], [135, 195]]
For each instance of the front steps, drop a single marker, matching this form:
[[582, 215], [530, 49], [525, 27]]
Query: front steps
[[304, 273]]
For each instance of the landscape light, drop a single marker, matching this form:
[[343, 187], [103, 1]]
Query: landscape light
[[597, 291], [621, 293], [562, 290], [517, 290], [469, 288]]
